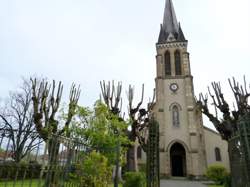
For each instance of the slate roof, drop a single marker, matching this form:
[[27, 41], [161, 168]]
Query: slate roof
[[170, 25]]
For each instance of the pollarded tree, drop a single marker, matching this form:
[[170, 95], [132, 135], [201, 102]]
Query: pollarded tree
[[112, 96], [112, 99], [139, 118], [46, 102], [229, 123], [230, 126]]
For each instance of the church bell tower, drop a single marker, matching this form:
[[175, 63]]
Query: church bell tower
[[182, 147]]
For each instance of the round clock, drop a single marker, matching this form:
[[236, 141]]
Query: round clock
[[174, 87]]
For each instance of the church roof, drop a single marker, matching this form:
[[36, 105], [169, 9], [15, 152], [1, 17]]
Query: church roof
[[170, 29], [170, 23]]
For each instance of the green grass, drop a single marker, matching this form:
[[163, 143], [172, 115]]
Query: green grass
[[28, 183], [25, 183], [112, 185], [215, 186]]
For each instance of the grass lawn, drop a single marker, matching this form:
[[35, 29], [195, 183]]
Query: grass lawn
[[26, 183], [112, 185], [29, 183], [215, 186]]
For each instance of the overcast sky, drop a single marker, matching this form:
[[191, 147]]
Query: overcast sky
[[85, 41]]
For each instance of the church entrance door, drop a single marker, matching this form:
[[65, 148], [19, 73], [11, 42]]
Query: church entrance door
[[178, 160]]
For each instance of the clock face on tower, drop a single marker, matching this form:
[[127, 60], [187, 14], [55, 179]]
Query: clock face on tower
[[174, 87]]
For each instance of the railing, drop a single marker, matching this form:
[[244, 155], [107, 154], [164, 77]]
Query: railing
[[239, 149], [47, 163]]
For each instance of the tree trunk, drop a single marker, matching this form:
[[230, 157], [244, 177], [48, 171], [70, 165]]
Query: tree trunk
[[17, 156], [52, 171], [132, 164], [68, 163]]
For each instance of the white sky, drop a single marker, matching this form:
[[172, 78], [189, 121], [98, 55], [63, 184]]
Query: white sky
[[86, 41]]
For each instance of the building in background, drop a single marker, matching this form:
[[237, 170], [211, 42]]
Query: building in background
[[187, 148]]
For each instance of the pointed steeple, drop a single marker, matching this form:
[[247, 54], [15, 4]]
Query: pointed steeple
[[170, 29], [170, 24]]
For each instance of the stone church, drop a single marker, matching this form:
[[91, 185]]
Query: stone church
[[187, 147]]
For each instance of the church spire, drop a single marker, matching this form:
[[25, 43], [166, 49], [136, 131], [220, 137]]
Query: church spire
[[170, 29], [170, 23]]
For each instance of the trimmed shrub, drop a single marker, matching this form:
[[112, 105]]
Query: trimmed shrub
[[93, 170], [134, 179], [217, 173], [12, 170]]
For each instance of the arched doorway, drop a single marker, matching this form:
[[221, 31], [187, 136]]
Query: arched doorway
[[178, 160]]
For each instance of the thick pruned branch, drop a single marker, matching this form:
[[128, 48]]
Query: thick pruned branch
[[46, 101], [139, 117], [112, 96], [241, 95], [219, 103], [228, 124], [73, 100], [220, 126]]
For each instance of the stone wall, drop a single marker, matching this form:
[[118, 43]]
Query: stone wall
[[213, 140]]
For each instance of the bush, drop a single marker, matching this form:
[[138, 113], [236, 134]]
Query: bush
[[12, 170], [93, 170], [134, 179], [217, 173]]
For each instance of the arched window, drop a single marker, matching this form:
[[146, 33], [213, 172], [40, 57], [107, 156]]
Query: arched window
[[167, 63], [177, 58], [175, 116], [217, 154]]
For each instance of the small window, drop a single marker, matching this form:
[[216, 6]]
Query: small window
[[217, 154], [139, 152], [177, 57], [175, 116], [167, 63]]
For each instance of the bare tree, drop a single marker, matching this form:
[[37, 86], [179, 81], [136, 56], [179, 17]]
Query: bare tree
[[229, 126], [139, 118], [17, 119], [46, 101], [112, 96]]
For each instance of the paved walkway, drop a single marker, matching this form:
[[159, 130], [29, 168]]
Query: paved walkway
[[181, 183]]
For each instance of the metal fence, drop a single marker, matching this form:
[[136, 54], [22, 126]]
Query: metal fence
[[49, 163], [239, 151]]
